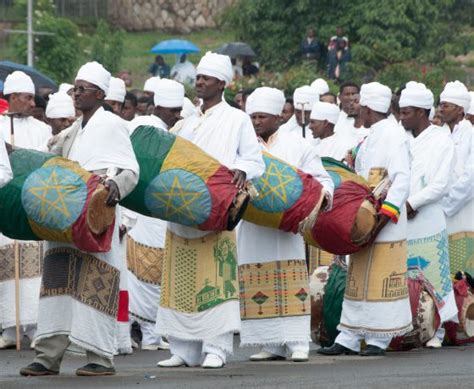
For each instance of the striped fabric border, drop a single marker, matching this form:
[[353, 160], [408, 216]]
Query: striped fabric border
[[391, 211]]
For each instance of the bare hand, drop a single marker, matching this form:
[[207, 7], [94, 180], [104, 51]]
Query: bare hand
[[114, 194], [239, 179], [122, 232], [411, 213]]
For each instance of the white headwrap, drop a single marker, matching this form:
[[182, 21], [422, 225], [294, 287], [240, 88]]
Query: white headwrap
[[471, 107], [60, 105], [320, 85], [417, 95], [65, 87], [96, 74], [455, 92], [18, 82], [376, 96], [169, 94], [304, 97], [325, 111], [188, 108], [216, 65], [117, 90], [150, 84], [266, 100]]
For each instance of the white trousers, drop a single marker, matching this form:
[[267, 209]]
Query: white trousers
[[192, 352], [352, 341], [149, 336], [9, 333], [287, 349]]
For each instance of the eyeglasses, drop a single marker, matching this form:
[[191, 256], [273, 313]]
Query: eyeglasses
[[82, 89]]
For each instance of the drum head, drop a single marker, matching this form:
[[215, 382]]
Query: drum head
[[364, 223], [425, 318], [99, 216], [467, 315]]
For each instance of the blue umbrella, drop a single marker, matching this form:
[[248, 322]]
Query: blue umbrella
[[175, 46], [39, 79]]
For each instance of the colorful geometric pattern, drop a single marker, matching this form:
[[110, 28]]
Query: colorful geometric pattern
[[179, 196], [390, 210], [461, 252], [274, 289], [31, 261], [199, 274], [145, 262], [339, 172]]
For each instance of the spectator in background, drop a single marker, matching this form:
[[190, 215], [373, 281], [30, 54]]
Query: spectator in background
[[241, 98], [338, 55], [129, 106], [236, 68], [142, 105], [38, 112], [288, 110], [310, 47], [437, 118], [126, 76], [328, 97], [159, 68], [184, 71], [248, 68]]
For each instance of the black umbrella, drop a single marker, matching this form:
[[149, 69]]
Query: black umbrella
[[39, 79], [236, 49]]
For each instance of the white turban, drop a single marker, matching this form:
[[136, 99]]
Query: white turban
[[417, 95], [18, 82], [304, 97], [96, 74], [60, 105], [169, 94], [117, 90], [376, 96], [455, 92], [320, 85], [216, 65], [266, 100], [325, 111], [65, 87], [150, 84], [188, 108], [471, 107]]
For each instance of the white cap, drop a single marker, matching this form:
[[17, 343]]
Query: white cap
[[188, 108], [417, 95], [304, 97], [169, 94], [18, 82], [471, 106], [455, 92], [376, 96], [60, 105], [96, 74], [65, 87], [320, 85], [265, 100], [150, 84], [117, 90], [216, 65], [325, 111]]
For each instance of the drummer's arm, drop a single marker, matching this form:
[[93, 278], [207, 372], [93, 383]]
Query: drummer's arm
[[126, 181]]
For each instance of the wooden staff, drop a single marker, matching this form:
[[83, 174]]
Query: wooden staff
[[16, 249]]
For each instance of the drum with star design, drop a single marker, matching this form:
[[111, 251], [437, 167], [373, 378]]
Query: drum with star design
[[52, 198]]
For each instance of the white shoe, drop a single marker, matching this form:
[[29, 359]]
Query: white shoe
[[299, 356], [134, 343], [266, 356], [212, 361], [434, 342], [164, 345], [33, 344], [150, 347], [174, 361], [4, 344]]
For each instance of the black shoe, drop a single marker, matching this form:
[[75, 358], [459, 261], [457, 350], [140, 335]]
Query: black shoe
[[93, 369], [36, 369], [372, 351], [336, 349]]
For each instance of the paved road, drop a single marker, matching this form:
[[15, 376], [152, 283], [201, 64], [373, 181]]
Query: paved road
[[445, 368]]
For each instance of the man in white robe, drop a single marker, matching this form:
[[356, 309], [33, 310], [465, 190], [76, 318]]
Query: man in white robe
[[183, 71], [60, 112], [147, 237], [431, 152], [328, 144], [201, 322], [79, 301], [29, 133], [376, 306], [458, 205], [116, 95], [279, 330]]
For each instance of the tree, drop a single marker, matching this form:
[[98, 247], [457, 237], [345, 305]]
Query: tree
[[107, 46]]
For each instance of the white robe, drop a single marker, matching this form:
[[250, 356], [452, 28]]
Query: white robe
[[147, 120], [185, 72], [334, 146], [258, 244], [226, 134], [30, 133], [345, 127], [432, 155]]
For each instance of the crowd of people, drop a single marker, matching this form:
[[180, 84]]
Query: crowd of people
[[160, 275]]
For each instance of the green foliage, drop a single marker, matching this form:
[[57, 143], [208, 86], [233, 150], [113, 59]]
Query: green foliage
[[107, 46]]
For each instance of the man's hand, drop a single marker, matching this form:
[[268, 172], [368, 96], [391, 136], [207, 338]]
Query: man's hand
[[239, 179], [411, 213], [382, 221], [122, 232], [114, 194]]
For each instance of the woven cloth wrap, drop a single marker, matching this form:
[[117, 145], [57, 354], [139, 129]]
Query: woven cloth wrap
[[344, 229], [180, 183], [287, 197], [52, 198]]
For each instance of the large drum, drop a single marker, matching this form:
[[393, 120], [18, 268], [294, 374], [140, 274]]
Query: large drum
[[181, 183], [462, 332], [52, 198], [288, 199]]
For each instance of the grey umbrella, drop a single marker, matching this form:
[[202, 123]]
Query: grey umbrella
[[236, 49]]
